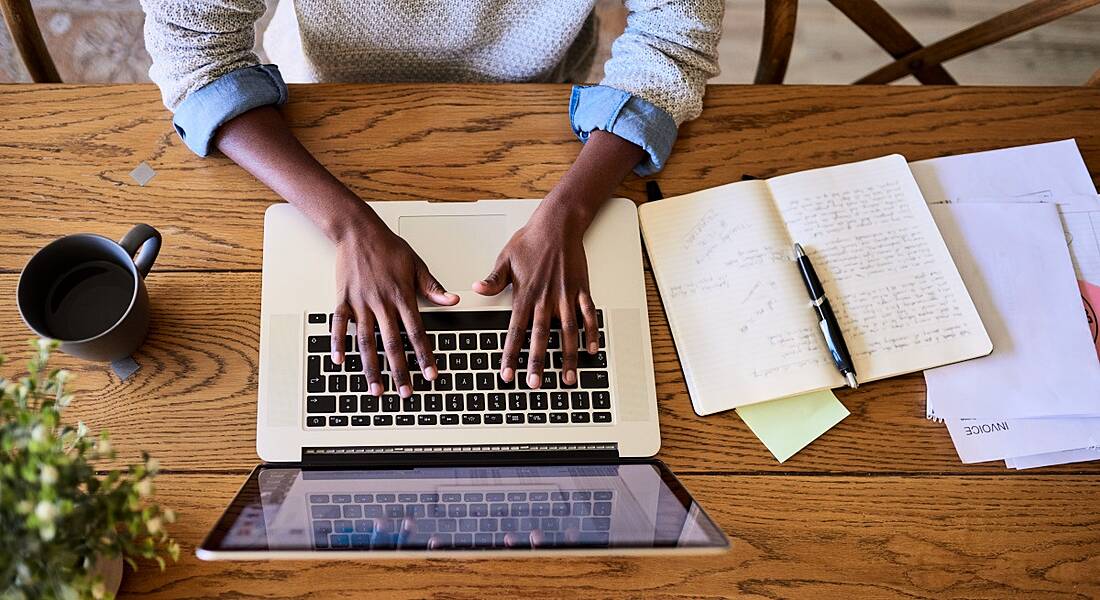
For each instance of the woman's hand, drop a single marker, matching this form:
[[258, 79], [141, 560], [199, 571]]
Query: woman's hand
[[546, 264], [378, 278]]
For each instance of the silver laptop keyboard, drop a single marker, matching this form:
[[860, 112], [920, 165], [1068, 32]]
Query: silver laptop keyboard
[[468, 392], [461, 519]]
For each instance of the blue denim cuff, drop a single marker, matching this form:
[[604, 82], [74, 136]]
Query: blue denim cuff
[[200, 115], [627, 116]]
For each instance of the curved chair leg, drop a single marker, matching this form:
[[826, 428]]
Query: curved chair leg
[[28, 40], [775, 49]]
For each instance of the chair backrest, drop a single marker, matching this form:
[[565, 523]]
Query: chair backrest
[[910, 57], [28, 40]]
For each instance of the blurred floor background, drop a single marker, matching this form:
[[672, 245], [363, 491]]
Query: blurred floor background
[[100, 41]]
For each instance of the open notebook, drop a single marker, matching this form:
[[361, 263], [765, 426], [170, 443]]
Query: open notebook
[[740, 315]]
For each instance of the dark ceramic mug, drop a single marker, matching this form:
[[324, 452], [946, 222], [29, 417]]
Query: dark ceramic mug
[[88, 292]]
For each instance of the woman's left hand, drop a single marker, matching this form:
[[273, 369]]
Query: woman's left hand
[[547, 267]]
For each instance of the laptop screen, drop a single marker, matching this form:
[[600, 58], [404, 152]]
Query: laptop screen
[[571, 507]]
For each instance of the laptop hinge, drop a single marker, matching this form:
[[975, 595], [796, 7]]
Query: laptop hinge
[[465, 454]]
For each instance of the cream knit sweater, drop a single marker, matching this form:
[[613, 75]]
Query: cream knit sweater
[[665, 56]]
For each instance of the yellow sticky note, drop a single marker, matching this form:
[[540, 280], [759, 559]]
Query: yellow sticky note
[[789, 424]]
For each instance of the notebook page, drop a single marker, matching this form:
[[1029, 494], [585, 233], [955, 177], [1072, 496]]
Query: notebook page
[[738, 312], [896, 292]]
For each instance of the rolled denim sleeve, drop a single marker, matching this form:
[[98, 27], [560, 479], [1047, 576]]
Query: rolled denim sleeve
[[200, 115], [627, 116]]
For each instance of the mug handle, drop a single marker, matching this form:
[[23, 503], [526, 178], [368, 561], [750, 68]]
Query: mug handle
[[142, 243]]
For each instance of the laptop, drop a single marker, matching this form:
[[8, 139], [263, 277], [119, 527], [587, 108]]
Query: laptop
[[468, 462]]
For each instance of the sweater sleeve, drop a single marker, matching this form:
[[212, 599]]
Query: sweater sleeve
[[656, 76], [204, 64]]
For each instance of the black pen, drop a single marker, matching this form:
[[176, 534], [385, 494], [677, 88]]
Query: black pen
[[826, 319]]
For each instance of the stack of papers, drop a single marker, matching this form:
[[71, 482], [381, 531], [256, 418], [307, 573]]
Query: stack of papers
[[1023, 225]]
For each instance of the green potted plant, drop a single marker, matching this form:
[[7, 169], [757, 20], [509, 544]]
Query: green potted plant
[[64, 529]]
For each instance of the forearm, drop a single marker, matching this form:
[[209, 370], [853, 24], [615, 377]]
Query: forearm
[[601, 166], [261, 143]]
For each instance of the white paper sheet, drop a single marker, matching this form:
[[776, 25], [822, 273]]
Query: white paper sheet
[[1015, 264], [1055, 169], [1053, 458], [981, 440]]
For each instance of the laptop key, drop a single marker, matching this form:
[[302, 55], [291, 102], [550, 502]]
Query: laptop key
[[495, 360], [601, 417], [421, 383], [479, 361], [471, 419], [337, 383], [536, 418], [360, 420], [383, 420], [316, 384], [515, 418], [426, 419], [315, 421], [433, 402], [359, 383], [549, 380], [464, 381], [517, 401], [497, 401], [458, 361], [579, 417], [318, 317], [559, 417], [580, 400], [454, 402], [448, 419], [331, 367], [320, 404], [314, 366], [447, 342], [405, 419], [559, 400], [601, 400], [538, 401], [505, 385], [411, 404], [349, 404], [391, 403], [486, 380], [467, 341], [594, 379], [475, 402], [494, 419], [444, 382], [337, 421], [368, 403], [488, 341], [353, 363]]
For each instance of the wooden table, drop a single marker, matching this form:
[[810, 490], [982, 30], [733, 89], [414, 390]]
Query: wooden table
[[880, 506]]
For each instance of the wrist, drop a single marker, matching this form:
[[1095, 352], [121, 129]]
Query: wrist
[[351, 217]]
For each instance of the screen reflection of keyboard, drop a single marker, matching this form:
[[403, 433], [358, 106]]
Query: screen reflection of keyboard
[[467, 520], [468, 390]]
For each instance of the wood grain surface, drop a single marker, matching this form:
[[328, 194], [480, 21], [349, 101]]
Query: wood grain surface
[[791, 537], [879, 506]]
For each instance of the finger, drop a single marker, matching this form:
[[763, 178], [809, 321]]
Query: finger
[[368, 349], [414, 329], [431, 289], [395, 352], [495, 282], [591, 326], [536, 538], [513, 342], [569, 341], [340, 318], [540, 330]]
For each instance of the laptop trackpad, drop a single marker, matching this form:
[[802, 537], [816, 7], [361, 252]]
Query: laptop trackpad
[[458, 249]]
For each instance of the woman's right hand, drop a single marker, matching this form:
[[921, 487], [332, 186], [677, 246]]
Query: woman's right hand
[[378, 278]]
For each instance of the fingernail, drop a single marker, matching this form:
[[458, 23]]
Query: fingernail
[[430, 373], [508, 374], [405, 391], [570, 377], [593, 347], [337, 358], [533, 380], [375, 389], [450, 296]]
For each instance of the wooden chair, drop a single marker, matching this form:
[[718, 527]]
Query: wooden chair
[[28, 40], [910, 57]]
